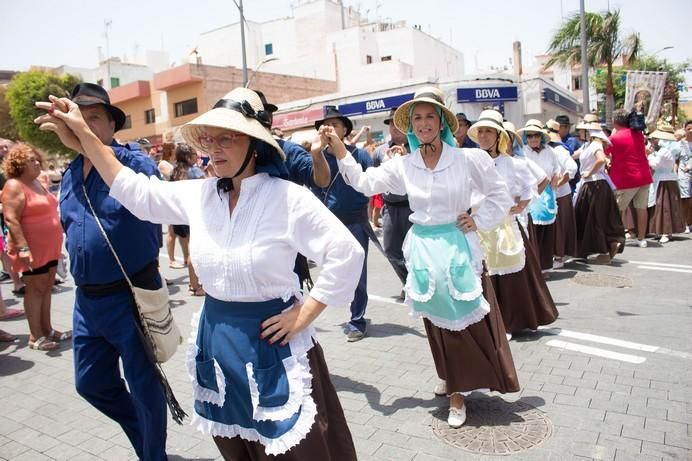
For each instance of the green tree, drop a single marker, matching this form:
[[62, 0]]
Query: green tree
[[605, 46], [8, 129], [23, 91]]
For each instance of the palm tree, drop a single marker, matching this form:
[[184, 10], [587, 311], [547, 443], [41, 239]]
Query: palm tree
[[604, 47]]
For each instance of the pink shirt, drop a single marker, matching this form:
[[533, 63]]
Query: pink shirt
[[629, 167]]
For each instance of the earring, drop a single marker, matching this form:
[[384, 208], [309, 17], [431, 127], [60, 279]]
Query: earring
[[255, 154]]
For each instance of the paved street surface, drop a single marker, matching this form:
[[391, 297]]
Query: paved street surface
[[612, 380]]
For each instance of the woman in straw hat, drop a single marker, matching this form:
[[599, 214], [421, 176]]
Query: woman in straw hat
[[544, 209], [665, 207], [446, 284], [599, 226], [521, 291], [565, 225], [260, 382]]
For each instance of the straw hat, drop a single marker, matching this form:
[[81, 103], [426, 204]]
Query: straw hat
[[534, 126], [240, 110], [431, 95], [512, 132], [590, 122], [664, 131], [598, 133], [491, 119], [553, 127]]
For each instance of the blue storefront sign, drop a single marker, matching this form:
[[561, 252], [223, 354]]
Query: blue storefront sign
[[556, 98], [488, 94], [375, 105]]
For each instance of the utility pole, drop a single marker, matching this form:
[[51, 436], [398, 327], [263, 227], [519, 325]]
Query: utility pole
[[107, 25], [242, 41], [584, 60]]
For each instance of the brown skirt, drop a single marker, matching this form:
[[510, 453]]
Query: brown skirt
[[531, 229], [523, 297], [545, 242], [667, 218], [565, 228], [477, 357], [329, 440], [598, 219]]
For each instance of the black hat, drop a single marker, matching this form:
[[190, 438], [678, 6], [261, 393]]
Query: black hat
[[269, 107], [333, 112], [88, 94], [389, 118], [563, 120], [462, 118]]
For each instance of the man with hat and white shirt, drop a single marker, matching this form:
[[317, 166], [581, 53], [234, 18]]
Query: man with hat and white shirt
[[464, 124], [395, 222], [351, 207], [105, 329]]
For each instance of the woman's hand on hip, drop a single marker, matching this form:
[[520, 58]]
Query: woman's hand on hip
[[286, 325], [465, 223]]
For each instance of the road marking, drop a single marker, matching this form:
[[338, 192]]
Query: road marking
[[384, 299], [650, 263], [596, 351], [665, 269], [601, 339]]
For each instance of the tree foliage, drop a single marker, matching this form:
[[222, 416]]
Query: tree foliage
[[8, 129], [23, 91]]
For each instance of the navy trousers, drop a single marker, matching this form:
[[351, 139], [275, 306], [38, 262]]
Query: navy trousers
[[104, 330], [360, 298]]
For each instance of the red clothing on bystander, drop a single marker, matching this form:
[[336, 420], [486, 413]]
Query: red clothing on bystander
[[629, 168]]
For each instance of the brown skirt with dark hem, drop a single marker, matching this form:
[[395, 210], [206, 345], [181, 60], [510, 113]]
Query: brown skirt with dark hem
[[328, 440], [565, 228], [524, 297], [598, 220], [666, 217], [545, 243], [477, 357]]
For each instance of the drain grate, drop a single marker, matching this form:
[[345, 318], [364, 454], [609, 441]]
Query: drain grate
[[603, 280], [495, 427]]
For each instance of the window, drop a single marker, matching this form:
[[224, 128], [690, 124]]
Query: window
[[368, 59], [128, 122], [268, 49], [386, 58], [149, 116], [186, 107], [576, 83], [115, 82]]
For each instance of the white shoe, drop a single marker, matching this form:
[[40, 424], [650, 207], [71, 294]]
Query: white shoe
[[509, 336], [628, 235], [688, 229], [664, 239], [642, 243], [457, 417], [441, 389], [558, 263]]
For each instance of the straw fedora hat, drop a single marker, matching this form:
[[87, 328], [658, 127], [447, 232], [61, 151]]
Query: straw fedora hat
[[553, 127], [491, 119], [534, 126], [664, 131], [590, 122], [512, 132], [431, 95], [240, 110], [598, 133]]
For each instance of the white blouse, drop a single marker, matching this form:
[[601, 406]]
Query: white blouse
[[662, 162], [249, 255], [439, 195], [567, 166], [587, 158], [546, 159], [519, 179]]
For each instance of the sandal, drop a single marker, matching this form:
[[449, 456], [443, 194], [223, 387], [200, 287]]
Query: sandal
[[199, 291], [43, 344], [6, 337], [176, 265], [57, 336], [19, 291], [11, 314]]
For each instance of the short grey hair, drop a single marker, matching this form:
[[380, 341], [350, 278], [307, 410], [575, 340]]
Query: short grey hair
[[621, 117]]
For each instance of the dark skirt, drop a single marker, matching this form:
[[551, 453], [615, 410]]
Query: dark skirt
[[329, 439], [531, 229], [565, 228], [667, 218], [477, 357], [524, 297], [545, 243], [599, 224]]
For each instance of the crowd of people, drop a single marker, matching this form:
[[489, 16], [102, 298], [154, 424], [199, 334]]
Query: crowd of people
[[476, 216]]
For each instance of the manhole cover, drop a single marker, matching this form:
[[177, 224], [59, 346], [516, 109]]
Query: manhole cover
[[495, 427], [602, 280]]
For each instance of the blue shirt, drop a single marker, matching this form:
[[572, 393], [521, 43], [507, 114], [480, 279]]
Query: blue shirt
[[468, 143], [298, 162], [341, 199], [571, 143], [136, 242]]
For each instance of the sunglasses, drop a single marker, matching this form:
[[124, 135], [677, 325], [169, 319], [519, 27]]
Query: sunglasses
[[224, 141], [533, 135]]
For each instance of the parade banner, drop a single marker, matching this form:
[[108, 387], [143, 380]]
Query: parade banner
[[644, 91]]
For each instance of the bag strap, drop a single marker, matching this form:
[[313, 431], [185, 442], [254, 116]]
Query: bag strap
[[105, 236]]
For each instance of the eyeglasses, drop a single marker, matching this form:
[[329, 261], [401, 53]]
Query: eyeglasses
[[533, 135], [224, 141]]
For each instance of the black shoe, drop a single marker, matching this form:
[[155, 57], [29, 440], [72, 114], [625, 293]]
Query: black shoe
[[19, 291], [4, 276]]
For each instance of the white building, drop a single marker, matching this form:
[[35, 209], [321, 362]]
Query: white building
[[323, 39]]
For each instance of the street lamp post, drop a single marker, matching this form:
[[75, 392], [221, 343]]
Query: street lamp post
[[242, 41], [254, 72], [662, 49], [584, 61]]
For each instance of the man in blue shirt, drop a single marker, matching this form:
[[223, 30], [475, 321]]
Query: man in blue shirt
[[351, 207], [571, 143], [104, 325], [464, 124]]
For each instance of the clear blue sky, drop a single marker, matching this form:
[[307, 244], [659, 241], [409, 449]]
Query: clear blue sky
[[51, 33]]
